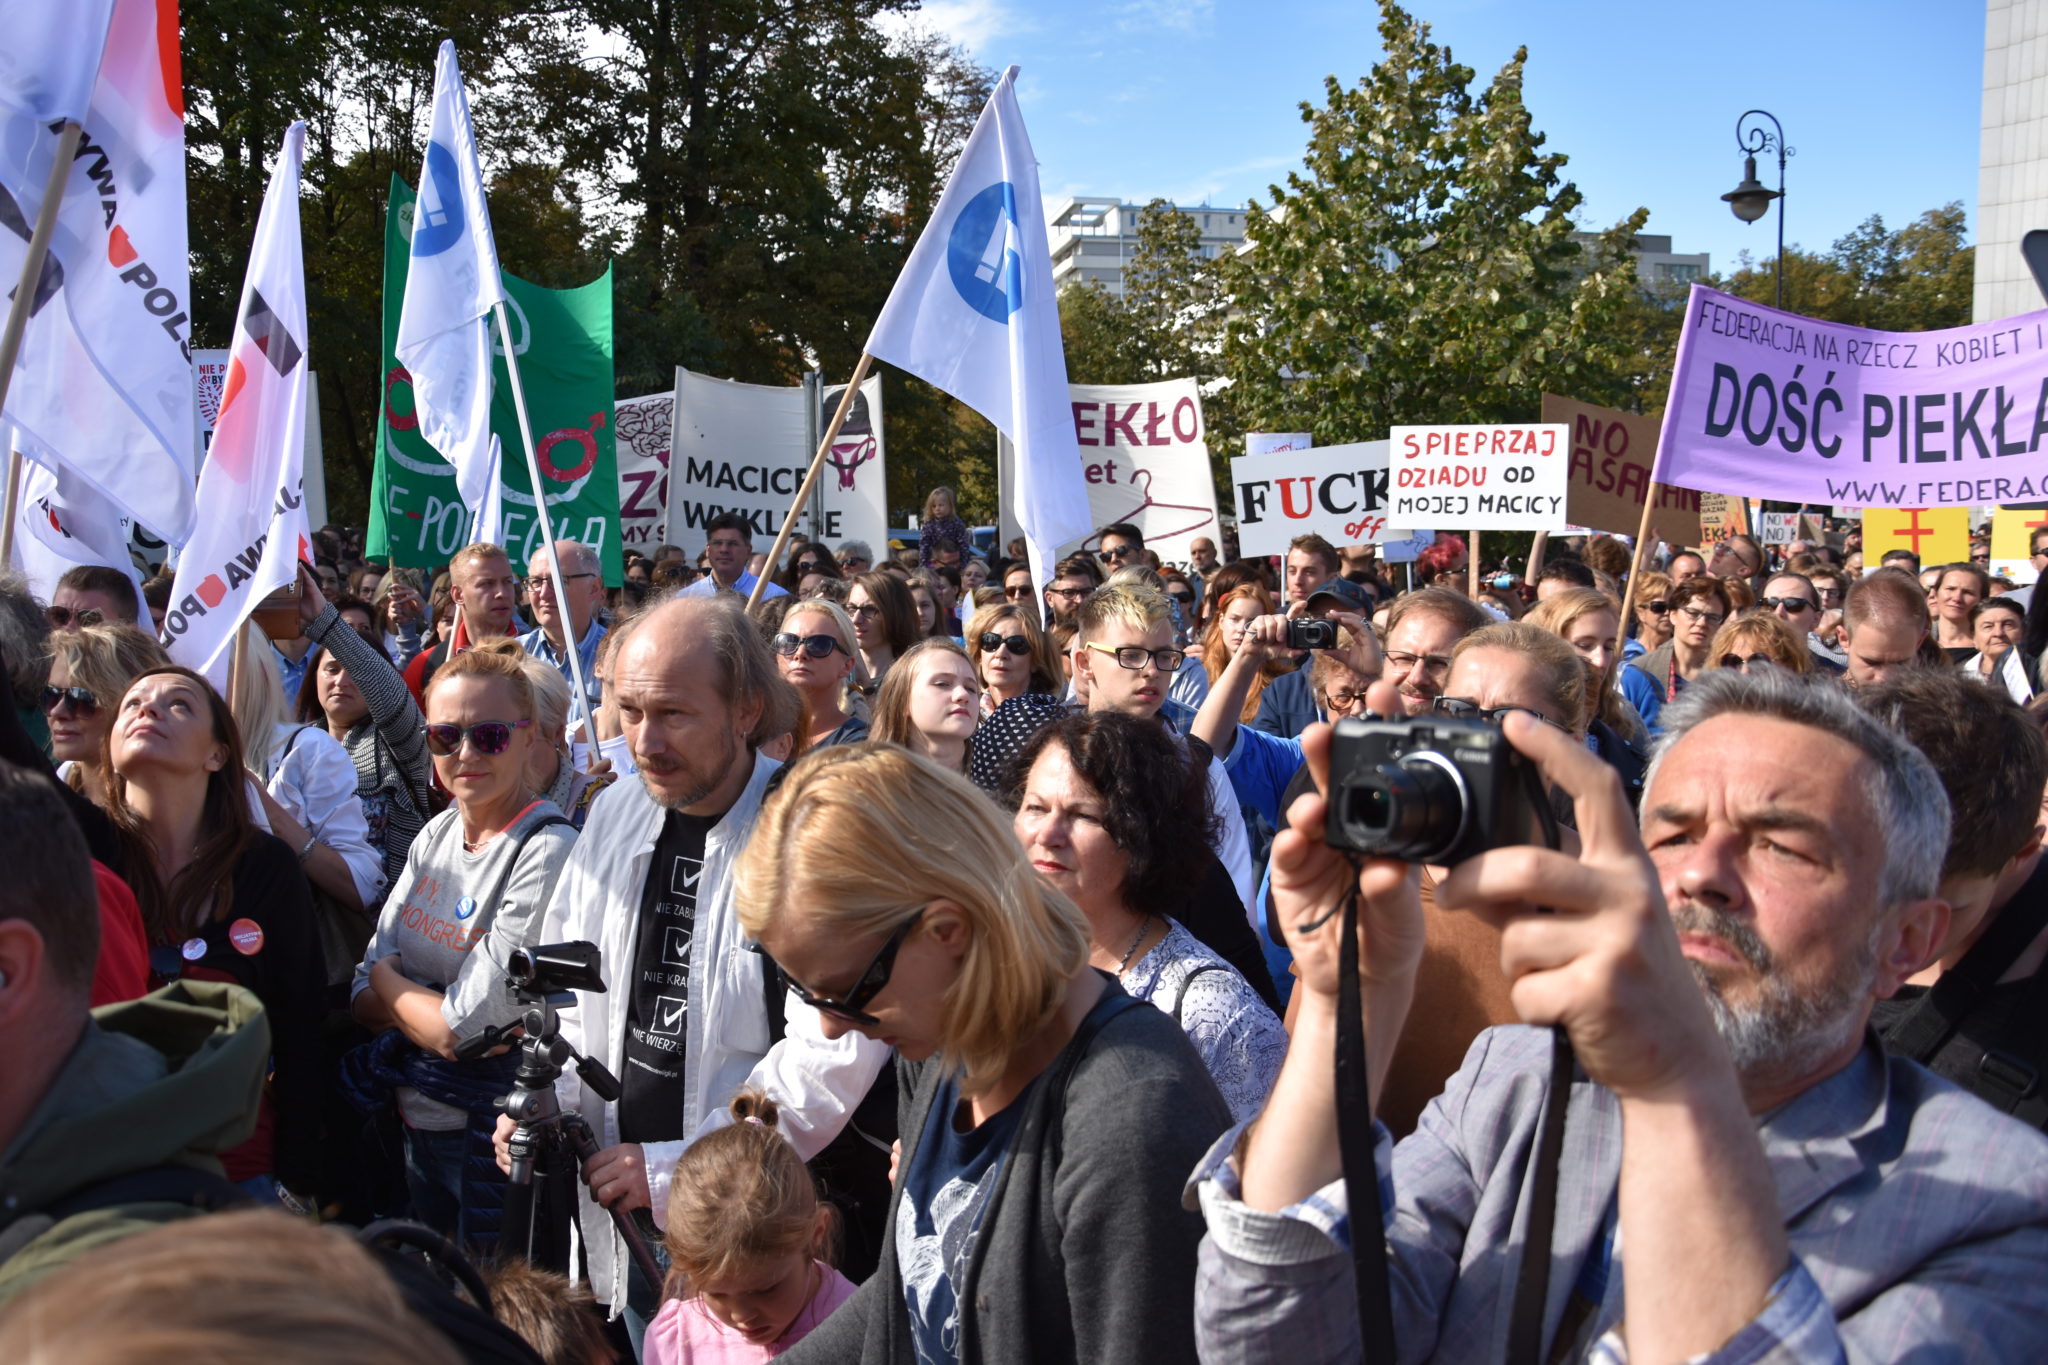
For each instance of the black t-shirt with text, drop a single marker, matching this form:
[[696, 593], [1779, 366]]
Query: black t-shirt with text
[[651, 1098]]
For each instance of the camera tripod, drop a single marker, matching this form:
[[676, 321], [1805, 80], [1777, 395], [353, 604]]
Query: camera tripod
[[552, 1141]]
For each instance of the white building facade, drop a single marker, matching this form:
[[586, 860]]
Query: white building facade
[[2012, 159]]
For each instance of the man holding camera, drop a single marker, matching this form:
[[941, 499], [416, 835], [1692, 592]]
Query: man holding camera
[[1741, 1156]]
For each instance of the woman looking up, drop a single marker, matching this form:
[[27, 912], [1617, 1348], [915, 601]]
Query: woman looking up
[[1049, 1119], [222, 901], [884, 620], [930, 704], [1113, 814], [816, 654]]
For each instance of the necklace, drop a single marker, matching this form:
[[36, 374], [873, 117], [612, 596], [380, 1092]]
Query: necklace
[[1144, 924]]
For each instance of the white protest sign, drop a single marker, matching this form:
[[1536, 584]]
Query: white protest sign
[[1777, 528], [644, 427], [1406, 548], [855, 479], [1273, 442], [1336, 492], [1508, 476]]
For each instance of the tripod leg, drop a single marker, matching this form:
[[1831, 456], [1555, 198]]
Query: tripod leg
[[580, 1139]]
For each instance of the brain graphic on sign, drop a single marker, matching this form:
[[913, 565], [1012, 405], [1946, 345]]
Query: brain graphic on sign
[[985, 268], [855, 444]]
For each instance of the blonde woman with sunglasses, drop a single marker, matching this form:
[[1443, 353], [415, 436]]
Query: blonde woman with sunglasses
[[817, 654]]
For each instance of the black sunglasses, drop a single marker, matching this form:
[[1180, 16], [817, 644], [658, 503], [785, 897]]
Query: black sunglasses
[[490, 737], [1789, 604], [82, 700], [60, 617], [1117, 552], [817, 646], [1657, 606], [867, 988], [1017, 644]]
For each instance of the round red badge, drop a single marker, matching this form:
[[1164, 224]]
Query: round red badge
[[247, 936]]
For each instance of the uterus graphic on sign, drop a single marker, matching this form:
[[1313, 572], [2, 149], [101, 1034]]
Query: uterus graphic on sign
[[855, 445]]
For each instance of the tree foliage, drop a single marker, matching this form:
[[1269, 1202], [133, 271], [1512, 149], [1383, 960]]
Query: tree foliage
[[1423, 268], [1917, 279], [1167, 323]]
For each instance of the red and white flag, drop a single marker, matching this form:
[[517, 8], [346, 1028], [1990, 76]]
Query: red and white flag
[[63, 523], [252, 510], [104, 380]]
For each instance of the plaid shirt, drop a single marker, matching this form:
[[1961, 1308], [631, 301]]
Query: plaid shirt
[[1916, 1214]]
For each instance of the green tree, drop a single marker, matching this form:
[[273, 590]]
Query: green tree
[[1168, 322], [1423, 268], [1917, 279]]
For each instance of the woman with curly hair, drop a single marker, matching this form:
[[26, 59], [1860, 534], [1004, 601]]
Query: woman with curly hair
[[1113, 815]]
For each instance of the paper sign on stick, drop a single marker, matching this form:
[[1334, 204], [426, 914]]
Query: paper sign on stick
[[1777, 528], [1337, 492], [1508, 476], [1721, 517], [2012, 536], [1939, 535], [1613, 453]]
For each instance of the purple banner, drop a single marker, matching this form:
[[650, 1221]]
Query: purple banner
[[1767, 404]]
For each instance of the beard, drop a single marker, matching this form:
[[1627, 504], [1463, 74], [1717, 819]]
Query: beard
[[1786, 1031], [700, 781]]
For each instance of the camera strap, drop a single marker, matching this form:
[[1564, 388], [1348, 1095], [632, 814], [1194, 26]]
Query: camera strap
[[1355, 1149]]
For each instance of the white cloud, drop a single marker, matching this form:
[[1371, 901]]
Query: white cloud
[[973, 24]]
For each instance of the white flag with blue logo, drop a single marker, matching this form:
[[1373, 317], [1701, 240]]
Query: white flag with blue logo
[[444, 328], [974, 313]]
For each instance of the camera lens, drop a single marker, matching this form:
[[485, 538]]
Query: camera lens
[[1413, 809]]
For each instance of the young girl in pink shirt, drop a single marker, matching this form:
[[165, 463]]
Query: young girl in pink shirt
[[745, 1225]]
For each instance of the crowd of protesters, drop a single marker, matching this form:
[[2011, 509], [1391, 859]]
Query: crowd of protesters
[[974, 959]]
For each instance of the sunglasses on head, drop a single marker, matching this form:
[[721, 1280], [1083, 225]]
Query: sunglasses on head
[[870, 984], [1016, 644], [82, 700], [817, 646], [488, 737], [61, 617]]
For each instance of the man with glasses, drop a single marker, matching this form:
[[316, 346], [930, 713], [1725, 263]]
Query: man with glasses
[[1072, 580], [1122, 545], [728, 545], [1738, 556], [570, 609], [1017, 588], [855, 557], [1421, 629], [91, 593], [486, 596], [1795, 599], [687, 1019]]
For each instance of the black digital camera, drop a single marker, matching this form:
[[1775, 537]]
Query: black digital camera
[[1429, 790], [1311, 632]]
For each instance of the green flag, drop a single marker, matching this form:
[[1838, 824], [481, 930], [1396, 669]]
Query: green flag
[[564, 342]]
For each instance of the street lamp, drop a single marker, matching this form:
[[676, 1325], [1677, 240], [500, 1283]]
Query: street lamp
[[1750, 201]]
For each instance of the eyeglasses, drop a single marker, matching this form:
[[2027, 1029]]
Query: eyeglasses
[[61, 617], [1656, 606], [1020, 593], [1071, 594], [817, 646], [1712, 618], [1137, 656], [1421, 663], [544, 584], [1789, 604], [1343, 701], [1018, 645], [867, 988], [488, 737], [1464, 708], [1117, 551], [82, 700], [863, 611], [1745, 662]]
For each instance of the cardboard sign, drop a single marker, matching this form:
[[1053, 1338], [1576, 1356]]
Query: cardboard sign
[[1777, 528], [2012, 534], [1508, 476], [1145, 455], [644, 427], [1336, 492], [1613, 454], [1939, 535], [1721, 517], [1273, 442]]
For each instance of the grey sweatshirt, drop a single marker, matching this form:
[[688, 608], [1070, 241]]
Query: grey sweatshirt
[[451, 935]]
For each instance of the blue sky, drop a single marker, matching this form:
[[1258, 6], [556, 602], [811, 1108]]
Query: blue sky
[[1194, 99]]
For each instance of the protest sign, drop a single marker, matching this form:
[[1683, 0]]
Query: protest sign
[[1145, 456], [1336, 492], [209, 373], [1613, 453], [563, 338], [745, 448], [1721, 517], [2012, 542], [643, 427], [1939, 535], [1774, 405], [1777, 528], [1273, 442], [1507, 476]]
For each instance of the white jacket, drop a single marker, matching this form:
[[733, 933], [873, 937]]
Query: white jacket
[[816, 1081]]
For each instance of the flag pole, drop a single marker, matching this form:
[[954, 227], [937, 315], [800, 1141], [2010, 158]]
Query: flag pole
[[1628, 592], [571, 641], [860, 372], [238, 660], [24, 300]]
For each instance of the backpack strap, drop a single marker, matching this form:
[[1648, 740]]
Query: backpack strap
[[505, 875], [1934, 1018], [1180, 1001]]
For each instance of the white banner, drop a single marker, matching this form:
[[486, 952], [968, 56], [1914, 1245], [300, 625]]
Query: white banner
[[1273, 442], [1336, 492], [644, 427], [1507, 476], [745, 448]]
